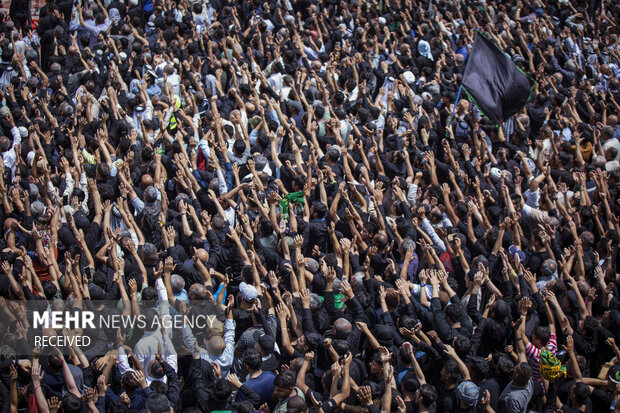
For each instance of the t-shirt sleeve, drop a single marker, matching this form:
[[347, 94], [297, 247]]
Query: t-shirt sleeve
[[552, 344], [532, 352]]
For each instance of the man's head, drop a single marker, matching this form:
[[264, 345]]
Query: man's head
[[450, 372], [128, 383], [158, 403], [177, 282], [283, 384], [296, 404], [5, 144], [541, 336], [548, 268], [222, 389], [380, 241], [216, 345], [522, 374], [479, 368], [308, 342], [453, 313], [252, 360], [500, 310], [467, 393], [342, 328], [426, 395], [318, 210], [197, 292], [579, 393], [202, 255], [72, 404], [265, 345]]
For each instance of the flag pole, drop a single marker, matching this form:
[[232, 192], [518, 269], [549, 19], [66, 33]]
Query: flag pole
[[458, 95]]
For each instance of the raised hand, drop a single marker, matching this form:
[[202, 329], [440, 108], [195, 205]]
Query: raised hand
[[524, 305]]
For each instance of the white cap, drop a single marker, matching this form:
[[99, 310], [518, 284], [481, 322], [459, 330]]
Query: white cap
[[409, 77]]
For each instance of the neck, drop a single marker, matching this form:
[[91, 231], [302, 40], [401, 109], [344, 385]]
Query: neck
[[256, 374]]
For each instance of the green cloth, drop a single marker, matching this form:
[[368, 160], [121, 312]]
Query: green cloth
[[550, 367], [291, 198], [339, 301]]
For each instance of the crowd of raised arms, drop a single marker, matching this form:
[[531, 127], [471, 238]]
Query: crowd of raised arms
[[302, 174]]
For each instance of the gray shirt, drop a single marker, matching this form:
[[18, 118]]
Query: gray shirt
[[514, 399]]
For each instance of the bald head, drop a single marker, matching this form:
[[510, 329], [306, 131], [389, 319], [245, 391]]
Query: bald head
[[381, 240], [249, 107], [146, 181], [216, 345], [197, 292], [8, 222], [4, 143], [342, 328], [202, 254]]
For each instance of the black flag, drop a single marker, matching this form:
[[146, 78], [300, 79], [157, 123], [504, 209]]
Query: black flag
[[494, 82]]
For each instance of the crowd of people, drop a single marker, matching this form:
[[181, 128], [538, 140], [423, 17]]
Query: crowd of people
[[303, 174]]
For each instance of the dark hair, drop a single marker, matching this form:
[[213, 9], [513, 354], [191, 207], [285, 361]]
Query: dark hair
[[452, 368], [581, 392], [285, 380], [239, 147], [543, 334], [454, 311], [313, 340], [157, 403], [522, 374], [429, 394], [320, 209], [128, 382], [159, 386], [479, 368], [252, 359], [590, 325], [505, 366], [462, 345], [222, 389], [245, 407], [403, 354], [117, 406], [49, 288], [71, 403], [501, 310]]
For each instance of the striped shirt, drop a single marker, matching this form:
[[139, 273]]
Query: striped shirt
[[533, 356]]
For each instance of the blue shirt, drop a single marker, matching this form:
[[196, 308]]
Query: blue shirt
[[262, 385]]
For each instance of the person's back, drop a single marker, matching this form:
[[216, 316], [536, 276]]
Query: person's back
[[517, 394], [515, 398], [263, 385]]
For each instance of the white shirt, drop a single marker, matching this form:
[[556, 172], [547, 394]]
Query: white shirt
[[225, 360], [10, 157]]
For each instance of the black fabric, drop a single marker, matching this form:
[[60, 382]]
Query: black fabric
[[494, 82]]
